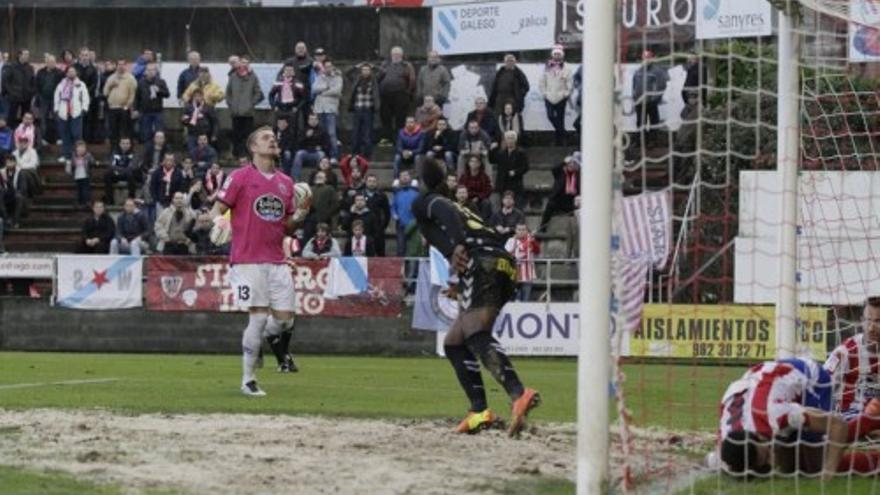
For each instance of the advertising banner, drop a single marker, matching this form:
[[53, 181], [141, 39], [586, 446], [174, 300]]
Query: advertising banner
[[535, 329], [27, 266], [493, 27], [99, 282], [202, 284], [733, 19], [710, 331], [864, 41]]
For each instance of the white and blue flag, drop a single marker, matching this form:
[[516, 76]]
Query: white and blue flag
[[347, 276], [99, 282]]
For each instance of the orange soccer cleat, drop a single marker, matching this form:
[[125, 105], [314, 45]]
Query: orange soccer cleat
[[520, 410]]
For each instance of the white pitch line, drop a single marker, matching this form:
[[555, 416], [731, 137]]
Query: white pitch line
[[65, 382]]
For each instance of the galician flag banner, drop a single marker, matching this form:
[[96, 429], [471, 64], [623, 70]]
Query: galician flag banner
[[99, 282], [348, 276]]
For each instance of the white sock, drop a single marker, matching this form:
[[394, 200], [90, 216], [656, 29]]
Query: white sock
[[250, 345]]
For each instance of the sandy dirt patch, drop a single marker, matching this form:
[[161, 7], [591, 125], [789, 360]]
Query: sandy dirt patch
[[255, 454]]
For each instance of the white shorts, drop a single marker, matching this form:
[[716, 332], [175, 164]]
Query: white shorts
[[263, 285]]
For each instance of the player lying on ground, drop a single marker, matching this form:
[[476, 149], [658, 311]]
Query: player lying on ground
[[853, 365], [778, 417], [262, 200], [487, 277]]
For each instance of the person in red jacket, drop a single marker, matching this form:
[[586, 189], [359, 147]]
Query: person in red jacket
[[478, 184]]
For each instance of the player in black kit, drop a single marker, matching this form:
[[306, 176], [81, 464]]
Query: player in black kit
[[486, 281]]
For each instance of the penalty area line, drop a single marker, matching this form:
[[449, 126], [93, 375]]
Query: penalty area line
[[13, 386]]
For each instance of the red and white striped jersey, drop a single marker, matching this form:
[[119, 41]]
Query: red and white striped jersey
[[524, 251], [854, 373], [767, 399]]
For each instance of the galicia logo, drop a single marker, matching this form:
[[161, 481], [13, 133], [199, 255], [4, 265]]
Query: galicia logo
[[711, 9], [447, 31]]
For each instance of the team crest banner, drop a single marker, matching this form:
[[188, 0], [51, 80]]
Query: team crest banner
[[201, 283], [99, 282]]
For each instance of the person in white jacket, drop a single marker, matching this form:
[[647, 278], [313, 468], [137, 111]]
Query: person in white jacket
[[556, 84], [327, 89], [71, 104]]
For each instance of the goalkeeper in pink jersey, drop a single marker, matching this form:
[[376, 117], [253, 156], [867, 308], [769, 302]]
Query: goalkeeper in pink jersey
[[262, 200]]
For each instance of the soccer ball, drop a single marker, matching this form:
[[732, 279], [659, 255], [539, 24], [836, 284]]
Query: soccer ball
[[221, 232], [303, 196]]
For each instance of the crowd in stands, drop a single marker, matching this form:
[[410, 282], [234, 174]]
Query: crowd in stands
[[77, 101]]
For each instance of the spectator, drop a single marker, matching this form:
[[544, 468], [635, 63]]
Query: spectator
[[327, 88], [132, 231], [325, 205], [451, 185], [360, 211], [523, 247], [196, 196], [203, 155], [71, 105], [27, 130], [165, 182], [141, 63], [510, 120], [201, 236], [243, 93], [153, 154], [212, 93], [649, 84], [473, 141], [120, 91], [352, 186], [27, 161], [505, 220], [572, 241], [322, 245], [15, 193], [148, 103], [80, 166], [566, 187], [574, 100], [478, 185], [313, 73], [234, 62], [428, 114], [695, 77], [214, 181], [302, 64], [556, 83], [511, 167], [511, 84], [4, 219], [46, 81], [97, 231], [377, 201], [18, 86], [485, 117], [121, 167], [312, 143], [173, 226], [434, 80], [397, 83], [187, 171], [286, 138], [88, 74], [287, 96], [401, 208], [66, 59], [358, 243], [353, 168], [199, 118], [410, 145], [462, 199], [441, 144], [325, 167], [106, 70], [7, 140], [189, 75], [363, 104]]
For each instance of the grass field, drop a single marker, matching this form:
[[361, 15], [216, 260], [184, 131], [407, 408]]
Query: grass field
[[673, 398]]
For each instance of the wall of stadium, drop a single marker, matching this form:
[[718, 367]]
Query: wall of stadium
[[34, 325]]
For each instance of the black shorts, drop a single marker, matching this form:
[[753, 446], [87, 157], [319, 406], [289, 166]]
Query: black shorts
[[490, 281]]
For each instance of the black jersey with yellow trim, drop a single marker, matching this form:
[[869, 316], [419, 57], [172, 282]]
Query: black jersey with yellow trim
[[446, 224]]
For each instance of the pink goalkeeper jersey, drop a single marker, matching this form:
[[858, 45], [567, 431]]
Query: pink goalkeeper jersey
[[260, 208]]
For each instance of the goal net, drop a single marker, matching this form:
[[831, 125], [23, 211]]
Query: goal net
[[747, 217]]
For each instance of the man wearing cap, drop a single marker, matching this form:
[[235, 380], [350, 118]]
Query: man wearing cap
[[649, 83], [556, 84]]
